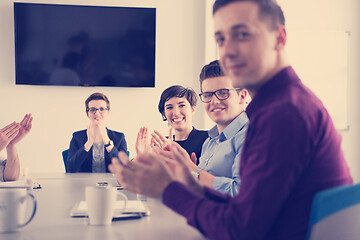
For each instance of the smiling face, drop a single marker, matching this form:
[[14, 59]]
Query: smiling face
[[98, 117], [223, 112], [179, 113], [249, 50]]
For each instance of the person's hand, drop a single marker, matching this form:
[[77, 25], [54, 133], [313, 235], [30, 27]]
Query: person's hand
[[193, 158], [25, 127], [181, 165], [8, 133], [142, 144], [96, 132], [91, 132], [102, 135], [190, 162], [147, 174], [160, 141], [92, 135]]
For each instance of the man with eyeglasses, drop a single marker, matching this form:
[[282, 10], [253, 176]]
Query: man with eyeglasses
[[291, 152], [220, 156]]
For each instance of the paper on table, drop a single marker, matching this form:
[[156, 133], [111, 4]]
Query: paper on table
[[20, 183], [132, 206]]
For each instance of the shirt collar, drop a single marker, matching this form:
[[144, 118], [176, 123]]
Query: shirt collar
[[231, 130], [284, 77], [213, 132]]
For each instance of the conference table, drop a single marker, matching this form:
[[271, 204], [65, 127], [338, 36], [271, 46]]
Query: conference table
[[59, 192]]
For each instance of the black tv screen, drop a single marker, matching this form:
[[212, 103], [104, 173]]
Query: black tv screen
[[73, 45]]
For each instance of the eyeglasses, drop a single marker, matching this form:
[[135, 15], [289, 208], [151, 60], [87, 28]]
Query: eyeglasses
[[93, 110], [220, 94]]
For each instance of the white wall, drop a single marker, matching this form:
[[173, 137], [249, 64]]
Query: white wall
[[332, 15], [59, 111]]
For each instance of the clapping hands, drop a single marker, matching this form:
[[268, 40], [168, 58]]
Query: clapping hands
[[151, 172], [143, 144], [178, 160], [160, 140], [146, 144], [8, 133], [96, 132], [15, 132]]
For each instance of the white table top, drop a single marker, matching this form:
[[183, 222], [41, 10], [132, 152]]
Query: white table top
[[60, 192]]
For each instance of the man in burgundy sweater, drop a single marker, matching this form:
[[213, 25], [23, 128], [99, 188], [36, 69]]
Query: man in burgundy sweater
[[292, 150]]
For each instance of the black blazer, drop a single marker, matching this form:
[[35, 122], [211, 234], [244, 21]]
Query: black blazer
[[81, 161]]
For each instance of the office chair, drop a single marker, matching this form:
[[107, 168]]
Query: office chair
[[335, 214], [65, 155]]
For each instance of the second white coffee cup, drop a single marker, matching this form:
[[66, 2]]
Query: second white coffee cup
[[100, 202]]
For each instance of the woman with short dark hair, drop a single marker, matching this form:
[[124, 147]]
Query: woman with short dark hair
[[177, 106]]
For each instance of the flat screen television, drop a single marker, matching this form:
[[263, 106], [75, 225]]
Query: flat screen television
[[75, 45]]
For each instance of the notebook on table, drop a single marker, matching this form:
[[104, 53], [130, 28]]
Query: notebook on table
[[134, 209], [29, 183]]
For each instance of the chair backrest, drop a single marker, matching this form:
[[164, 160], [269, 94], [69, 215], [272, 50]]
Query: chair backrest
[[65, 155], [335, 214]]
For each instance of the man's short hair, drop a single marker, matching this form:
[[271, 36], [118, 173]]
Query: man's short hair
[[211, 70], [269, 11], [96, 96], [176, 91]]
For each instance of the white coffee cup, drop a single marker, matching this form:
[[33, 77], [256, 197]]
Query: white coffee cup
[[12, 208], [100, 202]]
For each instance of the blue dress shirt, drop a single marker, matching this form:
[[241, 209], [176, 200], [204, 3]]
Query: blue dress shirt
[[220, 155]]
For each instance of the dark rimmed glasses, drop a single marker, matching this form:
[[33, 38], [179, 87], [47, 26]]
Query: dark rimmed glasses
[[93, 110], [220, 94]]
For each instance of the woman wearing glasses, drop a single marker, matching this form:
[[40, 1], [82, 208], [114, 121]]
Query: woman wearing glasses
[[91, 149]]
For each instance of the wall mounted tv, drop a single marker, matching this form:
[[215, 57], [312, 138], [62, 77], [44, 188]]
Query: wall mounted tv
[[74, 45]]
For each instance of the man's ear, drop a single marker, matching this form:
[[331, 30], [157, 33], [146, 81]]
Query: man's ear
[[243, 94], [280, 38]]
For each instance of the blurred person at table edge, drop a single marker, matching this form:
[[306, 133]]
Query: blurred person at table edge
[[10, 136], [291, 152]]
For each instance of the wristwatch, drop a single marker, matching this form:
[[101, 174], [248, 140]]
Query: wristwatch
[[196, 172], [109, 144]]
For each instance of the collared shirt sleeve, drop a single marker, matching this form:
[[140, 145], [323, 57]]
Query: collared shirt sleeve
[[291, 152], [268, 176], [221, 155], [230, 185]]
